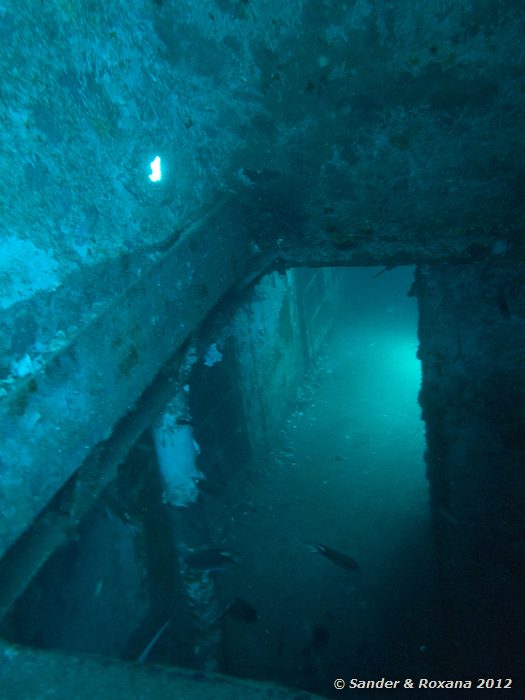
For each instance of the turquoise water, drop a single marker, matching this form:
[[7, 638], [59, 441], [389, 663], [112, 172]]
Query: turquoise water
[[349, 473]]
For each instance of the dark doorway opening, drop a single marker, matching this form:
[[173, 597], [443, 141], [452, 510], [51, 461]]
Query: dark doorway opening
[[348, 473]]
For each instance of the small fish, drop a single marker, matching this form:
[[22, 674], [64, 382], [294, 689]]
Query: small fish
[[336, 557], [319, 638], [241, 610], [142, 658], [209, 559]]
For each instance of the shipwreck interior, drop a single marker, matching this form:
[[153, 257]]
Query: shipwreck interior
[[262, 368]]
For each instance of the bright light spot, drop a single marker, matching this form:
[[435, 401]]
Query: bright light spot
[[403, 359], [156, 175]]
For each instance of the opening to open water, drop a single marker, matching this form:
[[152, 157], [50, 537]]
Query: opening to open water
[[349, 474]]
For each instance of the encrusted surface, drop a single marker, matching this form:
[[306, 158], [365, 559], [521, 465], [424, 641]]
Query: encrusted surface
[[359, 133], [26, 673]]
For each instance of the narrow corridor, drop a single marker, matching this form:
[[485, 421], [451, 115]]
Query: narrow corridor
[[349, 474]]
